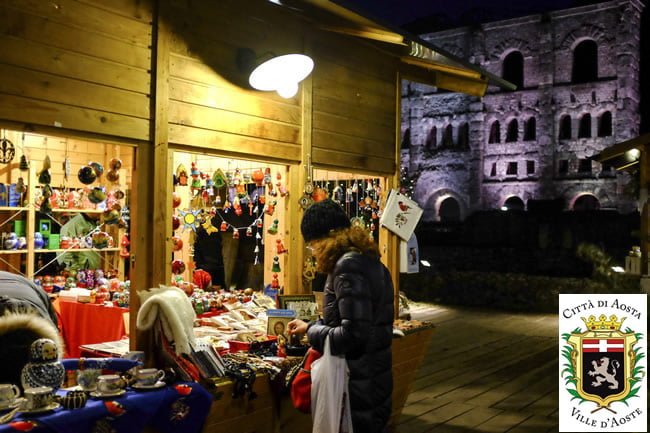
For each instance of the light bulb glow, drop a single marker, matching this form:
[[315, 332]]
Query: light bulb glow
[[282, 74]]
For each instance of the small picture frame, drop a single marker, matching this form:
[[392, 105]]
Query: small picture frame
[[305, 306], [278, 326]]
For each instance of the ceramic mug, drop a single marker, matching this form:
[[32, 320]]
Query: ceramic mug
[[8, 394], [149, 376], [109, 384], [38, 397], [87, 378]]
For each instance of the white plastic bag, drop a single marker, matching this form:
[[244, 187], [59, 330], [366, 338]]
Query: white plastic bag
[[330, 402]]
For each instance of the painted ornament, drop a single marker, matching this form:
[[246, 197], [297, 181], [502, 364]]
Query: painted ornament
[[276, 264], [177, 243], [189, 218], [279, 246], [178, 267], [273, 230], [181, 175]]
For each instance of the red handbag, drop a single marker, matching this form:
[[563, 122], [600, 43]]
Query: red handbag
[[301, 383]]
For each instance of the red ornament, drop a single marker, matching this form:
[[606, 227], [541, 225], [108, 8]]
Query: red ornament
[[183, 389], [224, 226], [114, 408], [178, 267], [176, 200], [176, 223], [177, 243], [202, 279], [280, 247], [258, 177]]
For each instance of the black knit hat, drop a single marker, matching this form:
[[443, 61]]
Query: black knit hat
[[320, 218]]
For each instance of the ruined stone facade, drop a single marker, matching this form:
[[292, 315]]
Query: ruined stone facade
[[577, 72]]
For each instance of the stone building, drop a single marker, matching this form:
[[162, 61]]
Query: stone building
[[577, 77]]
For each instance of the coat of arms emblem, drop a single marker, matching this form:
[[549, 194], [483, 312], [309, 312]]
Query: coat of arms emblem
[[601, 363]]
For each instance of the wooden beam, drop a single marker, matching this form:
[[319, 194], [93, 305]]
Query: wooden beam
[[367, 33]]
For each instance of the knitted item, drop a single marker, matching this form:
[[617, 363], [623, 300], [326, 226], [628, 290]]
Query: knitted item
[[172, 307], [322, 217]]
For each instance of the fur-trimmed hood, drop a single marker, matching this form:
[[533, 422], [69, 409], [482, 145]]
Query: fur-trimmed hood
[[31, 322]]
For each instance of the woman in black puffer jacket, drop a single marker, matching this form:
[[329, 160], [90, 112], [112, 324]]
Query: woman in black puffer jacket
[[358, 311]]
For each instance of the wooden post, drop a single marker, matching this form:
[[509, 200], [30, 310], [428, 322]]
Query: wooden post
[[644, 185]]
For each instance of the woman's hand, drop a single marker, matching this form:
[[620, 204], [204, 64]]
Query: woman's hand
[[297, 326]]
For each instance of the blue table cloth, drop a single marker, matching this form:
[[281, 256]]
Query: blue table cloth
[[181, 407]]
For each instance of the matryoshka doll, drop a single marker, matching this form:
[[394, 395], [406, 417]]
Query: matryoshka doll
[[44, 367]]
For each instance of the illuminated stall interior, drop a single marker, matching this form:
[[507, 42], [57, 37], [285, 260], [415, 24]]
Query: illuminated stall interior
[[48, 181], [230, 221]]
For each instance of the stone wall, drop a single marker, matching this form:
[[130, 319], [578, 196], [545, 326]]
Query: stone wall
[[481, 173]]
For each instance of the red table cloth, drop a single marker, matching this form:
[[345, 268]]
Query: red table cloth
[[88, 324]]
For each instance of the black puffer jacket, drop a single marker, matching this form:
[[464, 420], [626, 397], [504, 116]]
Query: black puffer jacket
[[358, 317]]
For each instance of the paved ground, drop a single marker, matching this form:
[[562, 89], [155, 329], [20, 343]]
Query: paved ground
[[485, 371]]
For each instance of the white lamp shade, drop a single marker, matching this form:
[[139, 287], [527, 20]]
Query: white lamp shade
[[282, 74]]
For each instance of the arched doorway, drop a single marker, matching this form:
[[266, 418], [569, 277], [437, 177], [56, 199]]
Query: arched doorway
[[449, 210], [586, 202], [514, 203]]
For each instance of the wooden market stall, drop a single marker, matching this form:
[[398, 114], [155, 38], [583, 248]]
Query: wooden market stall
[[164, 79]]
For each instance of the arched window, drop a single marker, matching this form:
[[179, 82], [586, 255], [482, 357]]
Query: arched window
[[495, 132], [513, 69], [565, 127], [463, 136], [406, 140], [514, 203], [449, 210], [530, 129], [584, 130], [432, 138], [586, 202], [605, 124], [448, 137], [513, 131], [585, 62]]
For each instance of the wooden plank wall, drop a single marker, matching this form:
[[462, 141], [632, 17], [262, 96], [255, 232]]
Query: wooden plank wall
[[77, 64], [353, 105], [215, 110]]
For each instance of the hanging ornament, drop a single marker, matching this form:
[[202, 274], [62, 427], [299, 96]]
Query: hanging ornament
[[269, 209], [273, 230], [113, 176], [86, 175], [259, 223], [24, 162], [224, 226], [276, 264], [208, 227], [190, 218], [280, 247], [176, 223], [217, 200], [249, 231], [219, 179], [258, 177], [181, 175], [97, 195], [177, 243], [267, 176], [275, 282], [226, 206], [7, 150], [305, 201], [250, 208], [236, 205], [21, 188], [196, 177], [178, 267], [176, 199], [235, 233], [97, 168], [309, 268]]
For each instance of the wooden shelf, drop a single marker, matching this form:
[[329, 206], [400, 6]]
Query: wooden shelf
[[65, 210], [75, 250], [24, 251], [13, 208]]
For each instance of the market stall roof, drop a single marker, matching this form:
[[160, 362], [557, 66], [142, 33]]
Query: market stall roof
[[622, 155], [420, 60]]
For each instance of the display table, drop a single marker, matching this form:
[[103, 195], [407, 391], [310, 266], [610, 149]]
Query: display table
[[270, 412], [88, 324], [181, 407]]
